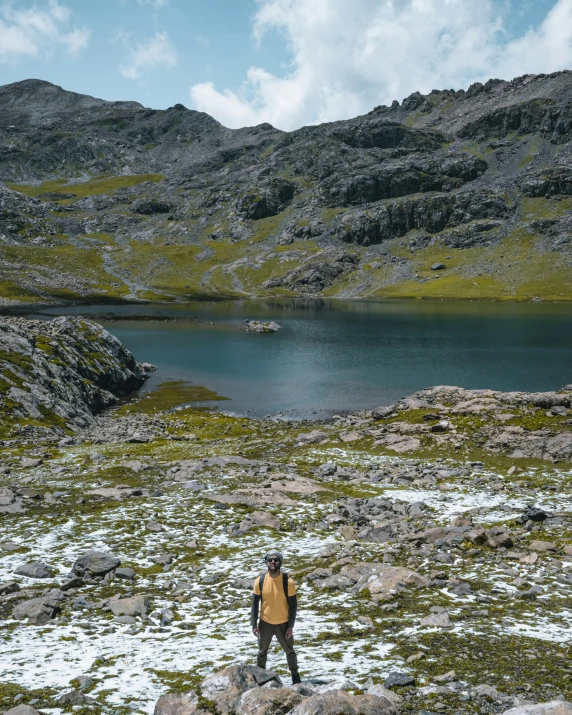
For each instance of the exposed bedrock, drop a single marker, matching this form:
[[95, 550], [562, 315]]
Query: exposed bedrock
[[62, 371]]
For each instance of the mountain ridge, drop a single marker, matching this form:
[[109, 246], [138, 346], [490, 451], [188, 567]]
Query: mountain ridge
[[169, 204]]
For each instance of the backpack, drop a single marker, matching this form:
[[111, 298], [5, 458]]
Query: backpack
[[284, 583]]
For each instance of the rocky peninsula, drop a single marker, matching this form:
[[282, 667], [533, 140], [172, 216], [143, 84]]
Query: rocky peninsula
[[431, 540]]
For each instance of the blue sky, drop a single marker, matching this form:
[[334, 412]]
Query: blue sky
[[290, 62]]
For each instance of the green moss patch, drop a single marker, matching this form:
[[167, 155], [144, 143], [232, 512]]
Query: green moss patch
[[98, 185], [169, 394]]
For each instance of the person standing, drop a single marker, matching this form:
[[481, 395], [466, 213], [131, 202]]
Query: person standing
[[274, 593]]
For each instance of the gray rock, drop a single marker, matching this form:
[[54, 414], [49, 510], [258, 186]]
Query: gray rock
[[74, 582], [124, 573], [194, 486], [268, 701], [36, 569], [555, 707], [38, 611], [227, 685], [95, 563], [436, 620], [154, 526], [338, 702], [167, 617], [73, 698], [30, 462], [177, 704], [132, 606], [438, 266], [22, 710], [396, 679], [9, 587]]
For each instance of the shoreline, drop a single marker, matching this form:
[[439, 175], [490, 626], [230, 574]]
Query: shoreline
[[30, 308]]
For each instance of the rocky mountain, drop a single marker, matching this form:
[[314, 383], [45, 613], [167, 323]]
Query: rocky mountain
[[464, 194]]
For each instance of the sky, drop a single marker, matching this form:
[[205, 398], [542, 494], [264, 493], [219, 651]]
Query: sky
[[287, 62]]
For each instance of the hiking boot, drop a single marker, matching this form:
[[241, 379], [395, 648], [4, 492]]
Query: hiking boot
[[296, 677]]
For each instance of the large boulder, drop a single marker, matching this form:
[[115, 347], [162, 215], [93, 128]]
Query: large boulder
[[38, 611], [556, 707], [338, 702], [177, 704], [226, 686], [95, 563], [268, 701]]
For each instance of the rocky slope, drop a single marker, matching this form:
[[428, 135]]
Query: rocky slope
[[431, 541], [462, 194]]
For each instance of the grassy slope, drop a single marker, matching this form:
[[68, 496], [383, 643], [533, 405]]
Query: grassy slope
[[96, 267]]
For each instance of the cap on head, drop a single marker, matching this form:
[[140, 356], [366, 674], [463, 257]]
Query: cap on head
[[276, 554]]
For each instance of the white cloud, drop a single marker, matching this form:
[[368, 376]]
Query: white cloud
[[347, 57], [145, 56], [38, 29]]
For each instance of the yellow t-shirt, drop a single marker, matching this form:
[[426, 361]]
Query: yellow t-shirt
[[274, 604]]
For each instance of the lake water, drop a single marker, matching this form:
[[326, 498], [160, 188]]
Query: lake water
[[339, 355]]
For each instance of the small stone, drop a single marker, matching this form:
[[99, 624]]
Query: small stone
[[74, 582], [9, 587], [529, 559], [192, 544], [30, 462], [396, 679], [438, 267], [415, 657], [36, 569], [22, 710], [542, 546], [194, 486], [445, 678], [95, 563], [154, 526], [436, 620], [133, 606], [125, 573]]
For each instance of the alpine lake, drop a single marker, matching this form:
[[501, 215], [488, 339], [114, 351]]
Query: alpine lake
[[338, 356]]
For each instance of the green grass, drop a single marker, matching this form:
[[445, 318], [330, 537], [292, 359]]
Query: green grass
[[169, 394], [84, 265], [97, 185]]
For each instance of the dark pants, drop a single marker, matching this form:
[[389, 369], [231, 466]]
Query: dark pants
[[267, 631]]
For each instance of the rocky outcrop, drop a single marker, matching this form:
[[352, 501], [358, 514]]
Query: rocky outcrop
[[431, 213], [62, 372], [269, 200], [249, 690], [539, 116], [494, 408], [553, 181], [402, 178], [316, 273]]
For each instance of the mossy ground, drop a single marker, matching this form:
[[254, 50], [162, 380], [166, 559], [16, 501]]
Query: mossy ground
[[169, 394], [97, 185]]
